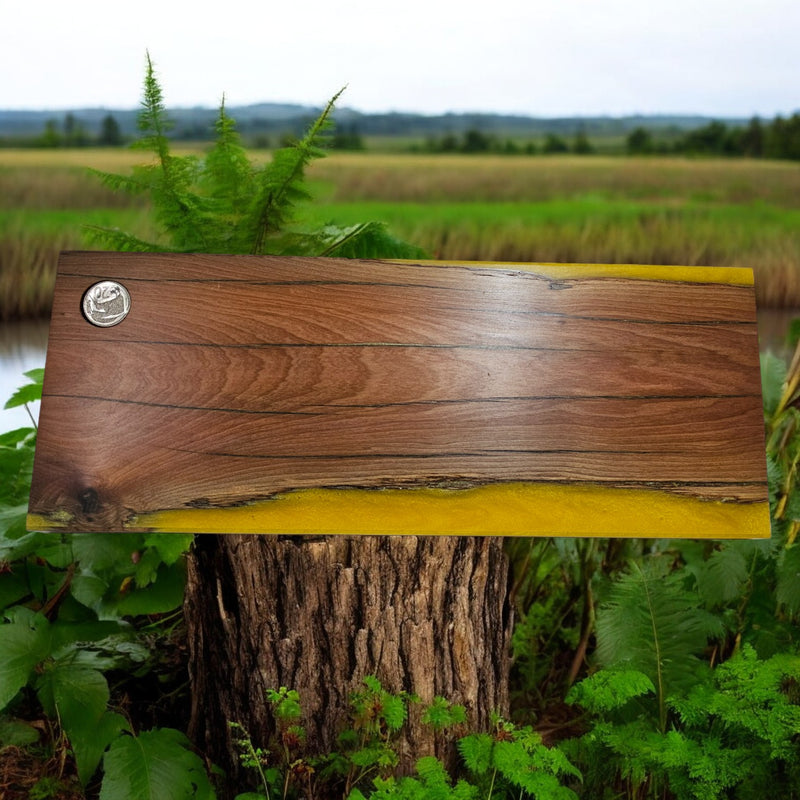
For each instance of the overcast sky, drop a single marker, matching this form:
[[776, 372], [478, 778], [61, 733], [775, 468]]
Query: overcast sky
[[556, 58]]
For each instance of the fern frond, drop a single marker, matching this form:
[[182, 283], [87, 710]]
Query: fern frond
[[609, 689], [788, 591], [364, 240], [367, 240], [282, 181], [652, 623], [152, 120], [120, 183], [476, 750], [724, 574], [115, 239], [227, 172]]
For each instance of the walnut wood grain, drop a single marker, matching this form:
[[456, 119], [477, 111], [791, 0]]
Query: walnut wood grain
[[237, 378]]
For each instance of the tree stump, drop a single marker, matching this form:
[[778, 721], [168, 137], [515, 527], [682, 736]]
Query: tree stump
[[427, 615]]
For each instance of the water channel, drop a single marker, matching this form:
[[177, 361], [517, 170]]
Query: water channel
[[23, 346]]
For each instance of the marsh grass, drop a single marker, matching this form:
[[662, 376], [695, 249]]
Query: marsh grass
[[483, 208], [27, 271], [443, 178]]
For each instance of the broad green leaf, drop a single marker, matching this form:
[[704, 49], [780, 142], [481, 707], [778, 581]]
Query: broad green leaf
[[91, 591], [77, 696], [18, 437], [17, 732], [29, 393], [74, 693], [16, 466], [164, 594], [147, 567], [13, 587], [88, 745], [170, 546], [107, 553], [12, 529], [156, 765], [24, 643]]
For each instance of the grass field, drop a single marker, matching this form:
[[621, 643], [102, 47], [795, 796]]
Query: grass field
[[495, 208]]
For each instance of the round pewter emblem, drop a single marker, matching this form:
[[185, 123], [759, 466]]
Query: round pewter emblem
[[106, 303]]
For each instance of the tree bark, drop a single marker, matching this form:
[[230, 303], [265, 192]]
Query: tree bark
[[428, 615]]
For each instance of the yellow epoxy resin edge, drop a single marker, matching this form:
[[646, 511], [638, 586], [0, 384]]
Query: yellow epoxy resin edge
[[510, 509], [731, 276]]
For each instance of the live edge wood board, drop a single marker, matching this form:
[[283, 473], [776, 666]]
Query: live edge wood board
[[317, 395]]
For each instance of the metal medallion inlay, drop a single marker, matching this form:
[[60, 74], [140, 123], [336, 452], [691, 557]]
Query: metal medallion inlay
[[106, 303]]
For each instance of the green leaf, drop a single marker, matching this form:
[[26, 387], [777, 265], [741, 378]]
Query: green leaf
[[36, 375], [23, 645], [100, 553], [16, 732], [170, 546], [77, 696], [155, 765], [13, 587], [29, 393], [724, 574], [18, 437], [163, 595], [16, 466], [88, 745]]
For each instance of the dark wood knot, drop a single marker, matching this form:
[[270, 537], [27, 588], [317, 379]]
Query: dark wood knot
[[89, 500]]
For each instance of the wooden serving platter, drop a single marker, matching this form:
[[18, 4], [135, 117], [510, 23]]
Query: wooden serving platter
[[315, 395]]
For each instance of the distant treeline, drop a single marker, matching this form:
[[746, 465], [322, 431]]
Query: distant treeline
[[777, 139], [71, 131], [476, 141]]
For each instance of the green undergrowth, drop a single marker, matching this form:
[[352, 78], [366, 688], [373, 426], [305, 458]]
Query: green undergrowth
[[507, 761]]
